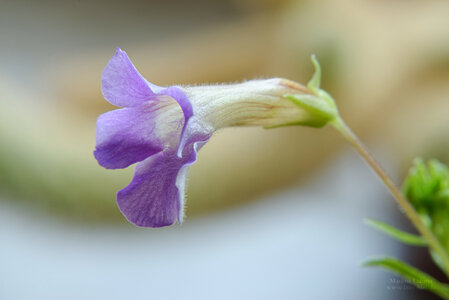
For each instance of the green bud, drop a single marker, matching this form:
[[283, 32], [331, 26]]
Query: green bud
[[427, 189], [427, 186]]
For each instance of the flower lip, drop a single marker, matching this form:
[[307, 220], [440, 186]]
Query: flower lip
[[122, 137], [121, 83]]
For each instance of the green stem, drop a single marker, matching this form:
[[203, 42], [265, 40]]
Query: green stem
[[433, 242]]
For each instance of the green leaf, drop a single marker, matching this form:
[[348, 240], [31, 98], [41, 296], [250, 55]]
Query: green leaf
[[404, 237], [413, 275], [437, 260]]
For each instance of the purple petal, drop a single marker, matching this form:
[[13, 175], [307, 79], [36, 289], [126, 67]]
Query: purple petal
[[126, 136], [186, 106], [155, 196], [122, 84]]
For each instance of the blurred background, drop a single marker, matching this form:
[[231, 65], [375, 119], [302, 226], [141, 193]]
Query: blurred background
[[271, 214]]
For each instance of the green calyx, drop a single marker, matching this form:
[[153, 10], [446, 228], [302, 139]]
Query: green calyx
[[319, 104]]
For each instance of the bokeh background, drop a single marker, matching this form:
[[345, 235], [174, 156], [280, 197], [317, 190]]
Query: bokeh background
[[271, 214]]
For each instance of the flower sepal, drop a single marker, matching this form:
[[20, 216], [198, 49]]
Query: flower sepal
[[319, 110], [319, 104]]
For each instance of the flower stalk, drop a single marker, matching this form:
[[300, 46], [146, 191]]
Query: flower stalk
[[411, 213]]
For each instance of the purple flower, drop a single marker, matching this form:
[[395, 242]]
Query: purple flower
[[162, 129]]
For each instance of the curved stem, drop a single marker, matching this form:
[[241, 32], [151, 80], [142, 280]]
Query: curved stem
[[411, 213]]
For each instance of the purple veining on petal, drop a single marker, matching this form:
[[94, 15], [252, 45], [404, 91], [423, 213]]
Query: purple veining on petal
[[122, 84], [151, 199], [126, 136], [155, 196]]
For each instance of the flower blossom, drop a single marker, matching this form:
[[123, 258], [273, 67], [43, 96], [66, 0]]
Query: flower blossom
[[162, 128]]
